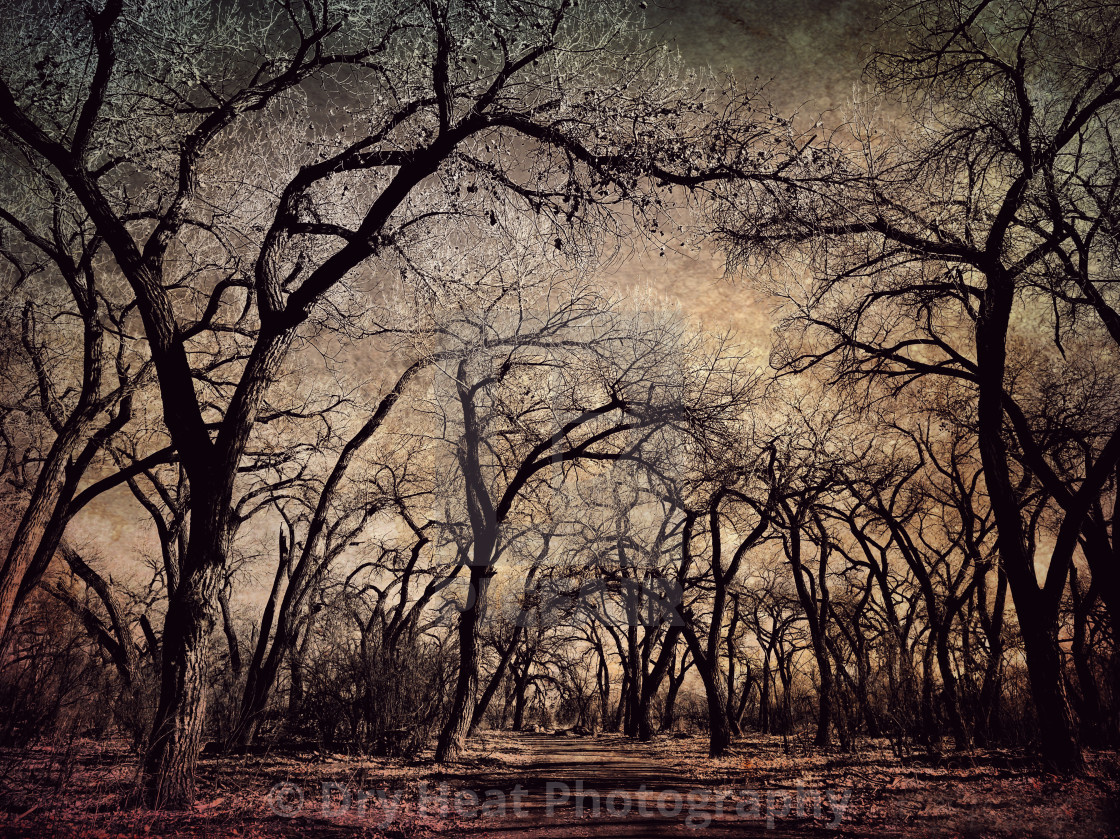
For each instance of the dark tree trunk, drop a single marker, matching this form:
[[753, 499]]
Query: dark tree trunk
[[785, 672], [930, 734], [177, 727], [652, 683], [870, 718], [732, 716], [991, 623], [815, 615], [823, 738], [51, 504], [764, 698], [1090, 709], [520, 689], [719, 732], [1103, 555], [668, 714], [1058, 734], [620, 708], [454, 733], [988, 726], [296, 691], [31, 532], [634, 685], [950, 696], [1037, 607], [495, 681]]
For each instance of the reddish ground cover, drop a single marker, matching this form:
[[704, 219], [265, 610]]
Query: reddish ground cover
[[555, 785]]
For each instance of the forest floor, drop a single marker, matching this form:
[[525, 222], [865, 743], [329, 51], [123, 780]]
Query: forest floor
[[561, 785]]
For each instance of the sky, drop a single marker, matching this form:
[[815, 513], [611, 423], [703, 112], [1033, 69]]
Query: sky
[[809, 52], [809, 57]]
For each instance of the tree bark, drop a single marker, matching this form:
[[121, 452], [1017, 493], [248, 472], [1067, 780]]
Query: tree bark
[[454, 732], [634, 685], [950, 695], [1037, 607], [520, 689], [652, 683], [719, 732], [668, 715], [30, 533], [169, 765], [815, 615]]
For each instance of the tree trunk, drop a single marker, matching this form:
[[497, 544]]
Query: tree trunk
[[634, 685], [520, 689], [930, 730], [785, 671], [603, 683], [988, 723], [740, 711], [823, 738], [169, 764], [620, 708], [949, 692], [870, 718], [1037, 607], [652, 683], [35, 527], [668, 714], [296, 691], [719, 732], [732, 717], [1103, 556], [764, 698], [454, 732], [495, 681], [1058, 734], [815, 615]]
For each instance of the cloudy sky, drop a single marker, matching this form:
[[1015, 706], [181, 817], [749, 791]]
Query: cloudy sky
[[809, 55], [810, 52]]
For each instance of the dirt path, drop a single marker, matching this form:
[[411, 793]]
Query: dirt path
[[560, 786], [537, 785]]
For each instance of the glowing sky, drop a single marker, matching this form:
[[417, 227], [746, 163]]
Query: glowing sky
[[810, 52], [809, 55]]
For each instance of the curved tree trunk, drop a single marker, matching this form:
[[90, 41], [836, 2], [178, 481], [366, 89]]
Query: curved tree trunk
[[1057, 732], [520, 692], [494, 682], [669, 714], [950, 695], [1037, 606], [815, 615], [634, 686], [719, 731]]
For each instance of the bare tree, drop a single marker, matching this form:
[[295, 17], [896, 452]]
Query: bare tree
[[747, 511], [993, 206], [773, 614], [542, 393], [71, 369]]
